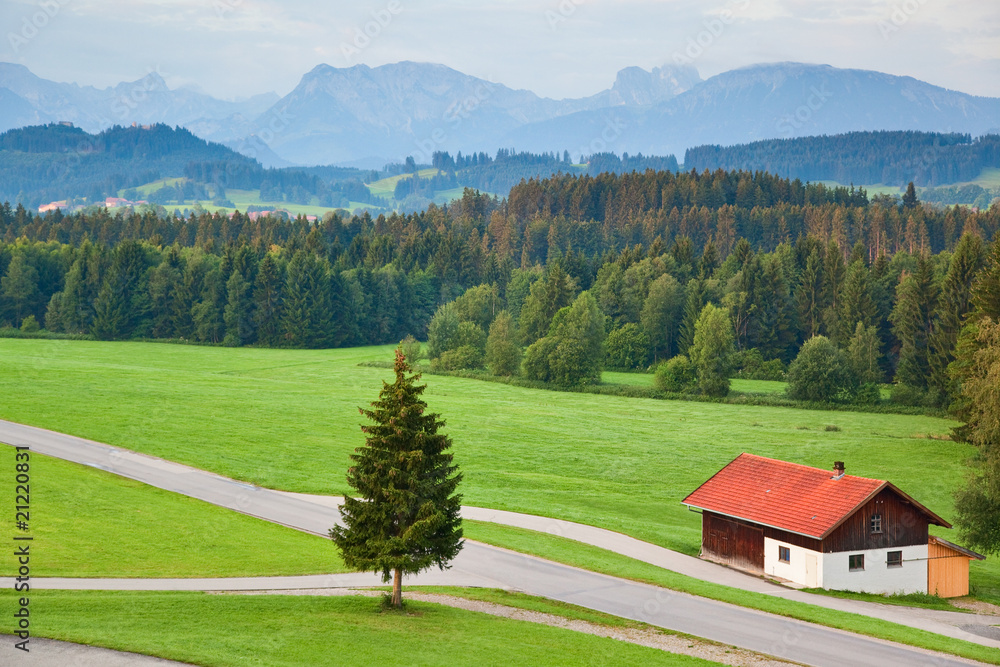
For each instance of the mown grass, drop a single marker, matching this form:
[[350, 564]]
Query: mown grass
[[294, 631], [596, 559], [91, 523], [288, 419]]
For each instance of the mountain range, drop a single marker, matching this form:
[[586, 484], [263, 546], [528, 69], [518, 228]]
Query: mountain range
[[365, 116]]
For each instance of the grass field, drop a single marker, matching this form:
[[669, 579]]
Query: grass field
[[288, 419], [91, 523], [280, 631], [737, 385]]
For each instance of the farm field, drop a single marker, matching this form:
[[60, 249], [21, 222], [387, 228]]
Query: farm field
[[288, 419], [280, 630], [736, 384], [91, 523]]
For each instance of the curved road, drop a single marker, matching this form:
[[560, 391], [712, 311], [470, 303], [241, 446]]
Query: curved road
[[476, 565]]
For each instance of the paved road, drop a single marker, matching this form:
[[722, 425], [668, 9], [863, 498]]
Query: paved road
[[483, 565]]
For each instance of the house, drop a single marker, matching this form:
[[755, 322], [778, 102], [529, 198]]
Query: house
[[823, 530]]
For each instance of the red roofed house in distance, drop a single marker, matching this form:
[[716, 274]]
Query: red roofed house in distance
[[822, 530]]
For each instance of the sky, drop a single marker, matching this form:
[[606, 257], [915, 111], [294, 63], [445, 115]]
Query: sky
[[556, 48]]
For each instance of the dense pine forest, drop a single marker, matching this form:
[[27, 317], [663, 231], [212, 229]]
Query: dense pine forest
[[645, 254], [892, 158]]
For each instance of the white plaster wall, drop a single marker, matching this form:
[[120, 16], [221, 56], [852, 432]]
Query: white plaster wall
[[876, 577], [795, 568]]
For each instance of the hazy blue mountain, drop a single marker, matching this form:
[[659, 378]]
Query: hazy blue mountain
[[781, 100], [368, 116], [389, 112], [146, 100]]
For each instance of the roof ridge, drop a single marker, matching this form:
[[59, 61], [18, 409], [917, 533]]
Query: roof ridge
[[807, 467]]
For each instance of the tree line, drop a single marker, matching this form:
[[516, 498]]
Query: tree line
[[890, 157]]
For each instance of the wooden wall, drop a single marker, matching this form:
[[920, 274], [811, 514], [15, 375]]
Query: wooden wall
[[947, 571], [733, 542], [902, 526]]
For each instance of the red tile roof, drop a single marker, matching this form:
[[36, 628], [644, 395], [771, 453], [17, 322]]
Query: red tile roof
[[789, 496]]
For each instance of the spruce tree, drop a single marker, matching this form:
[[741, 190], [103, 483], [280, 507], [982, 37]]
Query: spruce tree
[[953, 307], [267, 301], [809, 296], [238, 314], [916, 300], [856, 303], [406, 518], [123, 300]]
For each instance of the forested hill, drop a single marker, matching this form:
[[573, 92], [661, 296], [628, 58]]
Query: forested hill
[[48, 162], [52, 162], [785, 261], [891, 158]]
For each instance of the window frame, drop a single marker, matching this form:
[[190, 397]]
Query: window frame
[[875, 523], [853, 561], [891, 562], [784, 554]]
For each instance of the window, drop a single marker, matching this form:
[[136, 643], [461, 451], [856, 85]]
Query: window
[[784, 554], [856, 563], [894, 559], [876, 523]]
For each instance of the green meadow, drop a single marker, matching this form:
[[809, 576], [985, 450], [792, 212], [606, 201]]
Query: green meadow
[[91, 523], [279, 630], [288, 419]]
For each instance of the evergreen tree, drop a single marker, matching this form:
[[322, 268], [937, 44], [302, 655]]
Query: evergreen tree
[[977, 505], [238, 314], [856, 305], [916, 300], [834, 273], [503, 354], [693, 304], [308, 307], [864, 354], [122, 302], [775, 335], [712, 351], [910, 196], [163, 283], [267, 302], [545, 298], [953, 307], [207, 314], [20, 286], [406, 518], [809, 296]]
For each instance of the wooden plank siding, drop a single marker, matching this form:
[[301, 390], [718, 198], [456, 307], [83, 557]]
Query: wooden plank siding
[[733, 542], [947, 571], [902, 526]]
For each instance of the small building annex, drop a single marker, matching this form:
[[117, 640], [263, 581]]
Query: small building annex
[[823, 530]]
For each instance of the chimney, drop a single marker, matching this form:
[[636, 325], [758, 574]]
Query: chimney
[[838, 469]]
